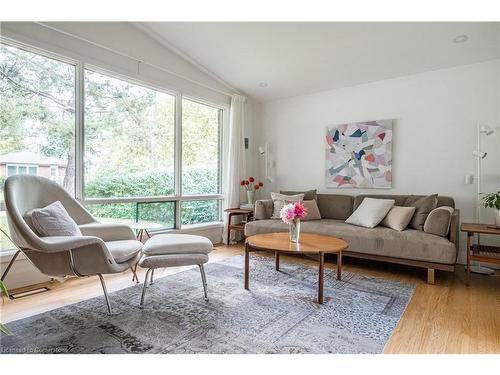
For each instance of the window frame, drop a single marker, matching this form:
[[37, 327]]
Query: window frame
[[80, 66], [55, 168], [17, 166], [177, 197]]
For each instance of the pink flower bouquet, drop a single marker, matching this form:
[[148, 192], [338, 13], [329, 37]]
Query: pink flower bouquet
[[292, 211]]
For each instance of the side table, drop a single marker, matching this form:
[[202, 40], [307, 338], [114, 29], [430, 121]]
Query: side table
[[482, 253], [142, 228], [248, 213]]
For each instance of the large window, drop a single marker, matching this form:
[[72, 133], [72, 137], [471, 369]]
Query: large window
[[140, 161], [37, 119], [129, 139], [200, 148]]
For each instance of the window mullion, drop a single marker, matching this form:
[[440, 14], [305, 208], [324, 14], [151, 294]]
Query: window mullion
[[79, 131], [178, 158]]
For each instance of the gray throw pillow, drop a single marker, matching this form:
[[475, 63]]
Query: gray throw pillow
[[308, 195], [312, 210], [54, 220], [438, 221], [423, 205]]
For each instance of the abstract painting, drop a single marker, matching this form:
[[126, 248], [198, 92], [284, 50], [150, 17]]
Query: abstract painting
[[359, 155]]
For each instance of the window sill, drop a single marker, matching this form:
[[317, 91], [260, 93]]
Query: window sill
[[191, 228], [7, 255]]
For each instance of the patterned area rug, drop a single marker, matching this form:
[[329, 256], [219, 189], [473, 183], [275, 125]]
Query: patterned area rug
[[277, 315]]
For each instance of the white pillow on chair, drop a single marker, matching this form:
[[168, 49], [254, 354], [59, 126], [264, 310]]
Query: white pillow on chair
[[370, 212], [54, 220]]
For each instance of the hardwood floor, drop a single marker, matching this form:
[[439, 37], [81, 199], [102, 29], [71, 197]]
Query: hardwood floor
[[444, 318]]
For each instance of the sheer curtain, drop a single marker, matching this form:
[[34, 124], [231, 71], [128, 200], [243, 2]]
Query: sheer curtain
[[235, 157]]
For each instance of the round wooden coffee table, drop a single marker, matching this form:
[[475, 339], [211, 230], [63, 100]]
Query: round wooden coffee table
[[310, 244]]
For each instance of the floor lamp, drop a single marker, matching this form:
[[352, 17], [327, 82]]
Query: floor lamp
[[479, 155]]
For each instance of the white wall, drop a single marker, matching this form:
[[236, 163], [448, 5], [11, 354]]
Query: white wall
[[434, 131]]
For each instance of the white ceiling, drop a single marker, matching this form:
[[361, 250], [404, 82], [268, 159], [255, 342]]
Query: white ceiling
[[301, 58]]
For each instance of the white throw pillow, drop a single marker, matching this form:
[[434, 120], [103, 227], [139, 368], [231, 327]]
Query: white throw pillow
[[370, 212], [279, 200], [54, 220]]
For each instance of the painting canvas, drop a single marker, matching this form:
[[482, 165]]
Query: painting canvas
[[359, 155]]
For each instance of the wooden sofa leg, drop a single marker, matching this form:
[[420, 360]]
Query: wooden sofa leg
[[430, 276]]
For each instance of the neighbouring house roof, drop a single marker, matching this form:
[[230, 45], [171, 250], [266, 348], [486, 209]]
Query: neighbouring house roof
[[27, 157]]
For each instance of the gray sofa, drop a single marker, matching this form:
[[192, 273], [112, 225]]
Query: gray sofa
[[411, 247]]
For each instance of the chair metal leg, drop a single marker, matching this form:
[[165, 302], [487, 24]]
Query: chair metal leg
[[144, 287], [105, 293], [203, 280], [134, 277], [152, 273], [4, 275]]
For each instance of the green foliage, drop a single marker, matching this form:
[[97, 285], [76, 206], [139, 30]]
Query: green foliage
[[148, 183], [155, 183], [196, 212], [491, 200]]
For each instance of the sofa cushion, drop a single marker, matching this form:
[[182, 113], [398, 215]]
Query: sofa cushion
[[398, 218], [279, 200], [370, 212], [424, 205], [409, 244], [335, 206], [308, 194], [398, 199], [438, 221], [263, 209], [312, 210]]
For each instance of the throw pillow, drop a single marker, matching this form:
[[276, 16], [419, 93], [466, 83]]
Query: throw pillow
[[54, 220], [423, 205], [312, 210], [398, 217], [279, 200], [438, 221], [308, 195], [370, 212]]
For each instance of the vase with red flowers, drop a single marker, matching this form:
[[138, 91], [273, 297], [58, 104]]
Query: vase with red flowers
[[251, 187]]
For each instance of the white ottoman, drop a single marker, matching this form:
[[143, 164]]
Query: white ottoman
[[174, 250]]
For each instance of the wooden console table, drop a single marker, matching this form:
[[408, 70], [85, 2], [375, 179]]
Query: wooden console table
[[237, 227], [481, 253]]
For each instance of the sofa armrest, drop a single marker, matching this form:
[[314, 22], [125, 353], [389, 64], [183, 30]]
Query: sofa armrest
[[454, 233], [263, 209]]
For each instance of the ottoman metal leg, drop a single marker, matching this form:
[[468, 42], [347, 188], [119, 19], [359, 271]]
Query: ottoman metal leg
[[152, 273], [144, 287], [203, 280]]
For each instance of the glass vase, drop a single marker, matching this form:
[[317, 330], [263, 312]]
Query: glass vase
[[295, 230], [251, 196]]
